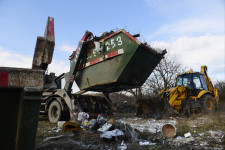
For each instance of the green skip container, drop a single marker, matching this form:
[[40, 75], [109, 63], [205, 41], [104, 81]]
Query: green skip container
[[119, 62]]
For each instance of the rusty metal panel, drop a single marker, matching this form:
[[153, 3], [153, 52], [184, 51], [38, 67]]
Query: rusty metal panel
[[44, 47], [19, 78], [43, 53]]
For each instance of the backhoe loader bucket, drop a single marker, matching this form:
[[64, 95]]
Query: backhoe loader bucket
[[168, 110]]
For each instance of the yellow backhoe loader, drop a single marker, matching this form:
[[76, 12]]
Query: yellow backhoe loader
[[194, 92]]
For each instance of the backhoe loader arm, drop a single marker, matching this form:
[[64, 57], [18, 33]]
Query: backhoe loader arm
[[209, 83], [207, 79]]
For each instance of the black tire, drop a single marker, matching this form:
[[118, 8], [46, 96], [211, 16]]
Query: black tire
[[208, 104], [54, 112]]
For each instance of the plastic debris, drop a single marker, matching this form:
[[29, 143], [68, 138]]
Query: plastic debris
[[85, 124], [53, 138], [122, 146], [92, 122], [105, 127], [60, 124], [101, 120], [82, 116], [213, 133], [145, 142], [201, 134], [179, 138], [110, 134], [187, 134], [55, 129], [133, 133]]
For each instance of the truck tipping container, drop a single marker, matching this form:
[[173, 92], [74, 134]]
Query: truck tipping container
[[116, 62]]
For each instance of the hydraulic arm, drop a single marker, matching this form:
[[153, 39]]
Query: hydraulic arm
[[75, 62]]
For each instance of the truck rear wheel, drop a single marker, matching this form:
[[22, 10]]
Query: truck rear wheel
[[54, 112], [208, 104]]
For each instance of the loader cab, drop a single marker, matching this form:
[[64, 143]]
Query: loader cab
[[193, 81]]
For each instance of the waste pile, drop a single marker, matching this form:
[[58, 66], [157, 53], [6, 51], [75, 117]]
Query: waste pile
[[110, 133], [106, 129]]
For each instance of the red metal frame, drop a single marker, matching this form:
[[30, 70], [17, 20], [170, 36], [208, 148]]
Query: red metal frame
[[4, 79]]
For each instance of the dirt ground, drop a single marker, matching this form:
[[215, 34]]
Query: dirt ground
[[207, 132]]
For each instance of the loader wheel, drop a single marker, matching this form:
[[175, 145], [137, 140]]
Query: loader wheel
[[54, 112], [208, 104]]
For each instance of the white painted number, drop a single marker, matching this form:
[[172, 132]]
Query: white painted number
[[107, 46], [112, 43], [119, 40]]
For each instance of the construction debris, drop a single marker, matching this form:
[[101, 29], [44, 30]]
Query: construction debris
[[168, 131]]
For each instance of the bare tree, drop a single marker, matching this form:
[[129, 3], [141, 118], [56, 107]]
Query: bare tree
[[220, 85], [164, 76]]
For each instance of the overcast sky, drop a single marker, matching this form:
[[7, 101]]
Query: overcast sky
[[193, 30]]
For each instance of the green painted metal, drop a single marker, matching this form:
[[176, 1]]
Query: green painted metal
[[20, 95], [11, 103], [128, 69]]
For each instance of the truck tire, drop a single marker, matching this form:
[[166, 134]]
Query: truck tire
[[208, 104], [54, 112]]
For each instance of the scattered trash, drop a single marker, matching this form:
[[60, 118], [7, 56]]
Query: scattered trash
[[84, 124], [168, 131], [133, 133], [101, 120], [213, 133], [179, 138], [105, 127], [201, 134], [145, 142], [110, 134], [111, 121], [82, 116], [55, 129], [71, 126], [60, 124], [187, 134], [52, 138], [122, 146], [92, 123], [203, 143]]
